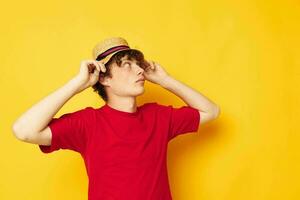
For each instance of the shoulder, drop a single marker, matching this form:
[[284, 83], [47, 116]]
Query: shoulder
[[150, 105], [158, 105], [81, 113], [85, 110]]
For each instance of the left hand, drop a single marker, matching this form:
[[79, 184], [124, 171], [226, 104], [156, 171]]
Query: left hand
[[155, 73]]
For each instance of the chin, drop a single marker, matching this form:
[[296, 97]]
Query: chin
[[140, 92]]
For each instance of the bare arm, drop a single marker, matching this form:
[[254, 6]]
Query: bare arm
[[208, 109], [31, 125]]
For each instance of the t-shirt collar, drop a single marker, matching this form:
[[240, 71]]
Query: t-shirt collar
[[119, 112]]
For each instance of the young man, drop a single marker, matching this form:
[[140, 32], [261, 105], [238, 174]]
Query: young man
[[124, 146]]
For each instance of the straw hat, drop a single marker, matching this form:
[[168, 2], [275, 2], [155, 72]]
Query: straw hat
[[105, 49]]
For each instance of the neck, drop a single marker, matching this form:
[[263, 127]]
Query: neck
[[126, 104]]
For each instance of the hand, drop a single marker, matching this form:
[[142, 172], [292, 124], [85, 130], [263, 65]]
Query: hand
[[155, 73], [89, 72]]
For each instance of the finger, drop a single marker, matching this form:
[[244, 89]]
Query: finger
[[96, 72], [103, 67], [149, 64], [97, 65], [90, 67], [146, 65], [152, 65]]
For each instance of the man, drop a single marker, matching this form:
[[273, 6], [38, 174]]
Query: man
[[124, 146]]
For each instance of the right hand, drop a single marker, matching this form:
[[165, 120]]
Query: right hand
[[89, 72]]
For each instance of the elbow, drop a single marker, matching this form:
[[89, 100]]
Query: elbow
[[18, 133]]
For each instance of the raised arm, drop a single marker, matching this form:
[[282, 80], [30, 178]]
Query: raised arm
[[207, 109], [32, 125]]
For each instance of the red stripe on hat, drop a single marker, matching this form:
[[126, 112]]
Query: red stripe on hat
[[111, 50]]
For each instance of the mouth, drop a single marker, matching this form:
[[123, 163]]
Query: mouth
[[141, 80]]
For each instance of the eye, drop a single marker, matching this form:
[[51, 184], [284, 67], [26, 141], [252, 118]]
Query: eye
[[126, 63]]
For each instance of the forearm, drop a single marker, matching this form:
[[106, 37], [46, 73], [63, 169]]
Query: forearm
[[190, 96], [39, 115]]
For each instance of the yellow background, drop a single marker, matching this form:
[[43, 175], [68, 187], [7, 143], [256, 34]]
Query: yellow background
[[243, 55]]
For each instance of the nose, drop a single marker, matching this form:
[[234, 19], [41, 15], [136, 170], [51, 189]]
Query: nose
[[139, 70]]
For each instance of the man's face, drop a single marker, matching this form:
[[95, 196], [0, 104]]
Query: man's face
[[124, 81]]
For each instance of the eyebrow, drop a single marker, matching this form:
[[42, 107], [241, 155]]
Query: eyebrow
[[128, 60]]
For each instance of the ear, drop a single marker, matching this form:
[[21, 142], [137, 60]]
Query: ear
[[104, 80]]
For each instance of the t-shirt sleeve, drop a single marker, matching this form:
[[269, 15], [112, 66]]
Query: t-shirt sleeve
[[69, 131], [184, 119]]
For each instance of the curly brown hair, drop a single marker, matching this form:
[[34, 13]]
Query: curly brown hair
[[132, 54]]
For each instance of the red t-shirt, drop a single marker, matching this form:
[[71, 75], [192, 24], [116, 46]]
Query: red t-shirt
[[124, 153]]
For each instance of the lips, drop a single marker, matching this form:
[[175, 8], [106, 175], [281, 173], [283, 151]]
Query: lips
[[141, 79]]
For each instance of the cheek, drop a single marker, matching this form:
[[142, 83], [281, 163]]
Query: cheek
[[122, 80], [125, 76]]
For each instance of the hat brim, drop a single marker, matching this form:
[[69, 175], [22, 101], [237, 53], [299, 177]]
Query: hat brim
[[107, 58]]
